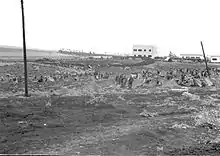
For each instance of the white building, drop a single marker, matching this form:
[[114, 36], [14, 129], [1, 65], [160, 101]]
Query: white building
[[215, 59], [144, 51], [192, 56]]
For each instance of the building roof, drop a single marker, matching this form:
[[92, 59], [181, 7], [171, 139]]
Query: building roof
[[215, 56], [139, 45], [191, 55]]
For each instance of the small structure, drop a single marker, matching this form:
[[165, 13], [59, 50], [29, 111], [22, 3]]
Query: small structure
[[215, 59], [144, 51]]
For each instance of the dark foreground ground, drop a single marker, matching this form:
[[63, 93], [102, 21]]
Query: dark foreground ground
[[79, 124]]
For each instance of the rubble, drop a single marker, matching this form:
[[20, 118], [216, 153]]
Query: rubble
[[208, 82], [191, 96], [97, 100], [208, 116], [184, 89], [181, 126], [216, 140], [145, 113]]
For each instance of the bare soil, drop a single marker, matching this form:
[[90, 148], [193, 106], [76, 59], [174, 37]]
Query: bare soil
[[114, 126]]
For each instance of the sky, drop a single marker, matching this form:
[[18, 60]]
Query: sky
[[113, 26]]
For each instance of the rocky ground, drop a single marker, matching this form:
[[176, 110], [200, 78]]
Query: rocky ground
[[98, 118]]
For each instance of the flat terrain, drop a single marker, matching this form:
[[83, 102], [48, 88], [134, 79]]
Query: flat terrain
[[89, 117]]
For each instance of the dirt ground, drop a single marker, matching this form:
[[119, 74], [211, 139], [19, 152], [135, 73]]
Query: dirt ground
[[98, 118]]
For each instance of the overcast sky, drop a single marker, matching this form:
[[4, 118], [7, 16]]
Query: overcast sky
[[113, 25]]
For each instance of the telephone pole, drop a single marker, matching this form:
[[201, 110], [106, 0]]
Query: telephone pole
[[205, 59], [24, 50]]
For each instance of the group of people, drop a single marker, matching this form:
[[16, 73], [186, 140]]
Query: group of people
[[124, 81], [183, 76], [56, 76], [102, 75], [189, 77], [11, 78]]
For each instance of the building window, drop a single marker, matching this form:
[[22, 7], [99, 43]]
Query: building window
[[144, 49], [192, 57], [198, 57], [149, 55], [135, 49], [139, 49], [139, 55], [149, 50], [214, 59]]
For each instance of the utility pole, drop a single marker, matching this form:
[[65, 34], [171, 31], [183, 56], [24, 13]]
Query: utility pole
[[205, 59], [24, 50]]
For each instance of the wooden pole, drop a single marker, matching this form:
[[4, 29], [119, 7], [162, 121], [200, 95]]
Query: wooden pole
[[24, 50], [205, 59]]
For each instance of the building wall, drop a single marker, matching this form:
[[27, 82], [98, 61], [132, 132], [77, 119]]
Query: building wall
[[215, 59], [144, 51], [192, 56]]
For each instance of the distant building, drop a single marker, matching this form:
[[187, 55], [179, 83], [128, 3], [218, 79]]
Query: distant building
[[192, 56], [215, 59], [107, 57], [144, 51]]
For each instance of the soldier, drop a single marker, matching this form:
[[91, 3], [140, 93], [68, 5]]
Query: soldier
[[14, 79], [158, 83], [120, 79], [205, 74], [41, 79], [168, 76], [123, 81], [117, 79], [130, 82], [45, 78]]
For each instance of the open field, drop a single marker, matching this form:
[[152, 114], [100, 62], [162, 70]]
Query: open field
[[96, 117]]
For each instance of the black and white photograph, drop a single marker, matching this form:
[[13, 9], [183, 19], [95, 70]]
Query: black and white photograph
[[110, 77]]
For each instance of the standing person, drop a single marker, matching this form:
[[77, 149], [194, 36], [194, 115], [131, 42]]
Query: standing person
[[117, 80], [120, 79], [125, 80], [123, 83], [130, 82]]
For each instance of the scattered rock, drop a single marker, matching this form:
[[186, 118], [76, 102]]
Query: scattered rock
[[198, 82], [208, 82], [217, 140], [148, 114], [184, 126], [159, 148], [180, 90], [191, 96], [53, 92], [121, 98], [48, 104], [207, 117], [23, 124]]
